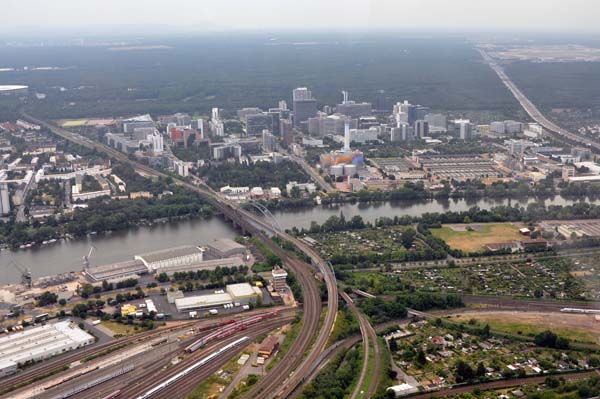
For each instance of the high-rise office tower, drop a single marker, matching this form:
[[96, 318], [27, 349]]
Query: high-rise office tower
[[346, 137], [304, 105], [421, 129], [465, 129], [215, 114], [4, 200]]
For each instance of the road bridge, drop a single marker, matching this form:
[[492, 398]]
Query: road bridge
[[291, 370]]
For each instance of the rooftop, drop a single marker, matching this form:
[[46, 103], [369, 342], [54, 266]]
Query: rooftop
[[225, 245], [12, 87], [170, 253]]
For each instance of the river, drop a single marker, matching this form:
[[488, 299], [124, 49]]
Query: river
[[67, 255]]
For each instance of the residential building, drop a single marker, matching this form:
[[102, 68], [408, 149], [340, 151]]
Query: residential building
[[222, 151]]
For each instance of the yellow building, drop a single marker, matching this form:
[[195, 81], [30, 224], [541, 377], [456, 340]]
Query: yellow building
[[128, 309]]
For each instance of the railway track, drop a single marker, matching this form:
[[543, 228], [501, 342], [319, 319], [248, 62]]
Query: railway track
[[281, 374], [190, 381], [153, 370], [65, 360]]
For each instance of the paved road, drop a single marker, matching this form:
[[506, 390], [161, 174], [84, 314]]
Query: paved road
[[532, 110], [317, 178], [285, 376]]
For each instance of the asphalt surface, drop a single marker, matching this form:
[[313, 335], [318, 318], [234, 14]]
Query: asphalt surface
[[271, 386]]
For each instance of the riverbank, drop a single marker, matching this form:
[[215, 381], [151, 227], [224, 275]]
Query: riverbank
[[66, 255]]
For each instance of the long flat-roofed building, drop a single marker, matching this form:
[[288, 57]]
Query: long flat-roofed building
[[207, 264], [225, 247], [116, 271], [38, 343], [202, 301], [183, 255]]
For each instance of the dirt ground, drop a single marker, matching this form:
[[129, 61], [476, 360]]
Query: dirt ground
[[473, 237]]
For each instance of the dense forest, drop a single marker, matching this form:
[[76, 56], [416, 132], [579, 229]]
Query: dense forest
[[232, 72]]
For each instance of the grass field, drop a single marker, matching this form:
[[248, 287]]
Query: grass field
[[474, 240], [581, 328], [74, 123], [118, 328]]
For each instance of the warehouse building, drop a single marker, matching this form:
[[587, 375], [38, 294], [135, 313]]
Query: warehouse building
[[115, 272], [186, 258], [224, 248], [268, 347], [242, 293], [39, 343], [207, 264], [202, 301], [183, 255]]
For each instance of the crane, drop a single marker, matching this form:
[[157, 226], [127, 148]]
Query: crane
[[26, 278], [86, 258]]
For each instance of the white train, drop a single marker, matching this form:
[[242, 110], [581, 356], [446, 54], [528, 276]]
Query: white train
[[193, 367], [584, 311]]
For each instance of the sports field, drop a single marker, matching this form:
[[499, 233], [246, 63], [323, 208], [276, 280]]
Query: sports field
[[74, 123], [472, 237]]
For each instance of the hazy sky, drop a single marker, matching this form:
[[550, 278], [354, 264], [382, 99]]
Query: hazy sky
[[29, 16]]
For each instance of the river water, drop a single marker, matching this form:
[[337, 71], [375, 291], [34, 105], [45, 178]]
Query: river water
[[67, 255]]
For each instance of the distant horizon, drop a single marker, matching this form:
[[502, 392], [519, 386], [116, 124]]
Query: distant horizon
[[132, 31], [40, 17]]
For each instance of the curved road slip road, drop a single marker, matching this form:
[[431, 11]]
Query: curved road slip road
[[284, 382]]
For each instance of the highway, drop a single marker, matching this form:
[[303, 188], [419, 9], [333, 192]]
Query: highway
[[532, 110], [289, 372]]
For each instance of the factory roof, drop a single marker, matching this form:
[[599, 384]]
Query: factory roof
[[202, 301], [112, 270], [12, 87], [41, 341], [139, 118], [225, 245], [241, 290], [164, 254]]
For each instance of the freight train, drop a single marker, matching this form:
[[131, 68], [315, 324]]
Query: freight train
[[228, 330]]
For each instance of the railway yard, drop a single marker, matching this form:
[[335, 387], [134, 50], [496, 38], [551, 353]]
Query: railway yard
[[174, 356]]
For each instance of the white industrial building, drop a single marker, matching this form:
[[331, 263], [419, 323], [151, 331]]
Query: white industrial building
[[403, 389], [183, 255], [310, 187], [242, 293], [38, 343]]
